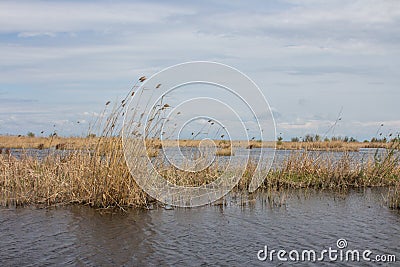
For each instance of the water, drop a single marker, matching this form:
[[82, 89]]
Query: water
[[216, 235], [363, 155], [36, 153]]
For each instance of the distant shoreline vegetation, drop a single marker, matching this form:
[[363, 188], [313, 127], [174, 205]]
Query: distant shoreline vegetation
[[30, 141]]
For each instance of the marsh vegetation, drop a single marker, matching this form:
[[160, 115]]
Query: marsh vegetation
[[93, 171]]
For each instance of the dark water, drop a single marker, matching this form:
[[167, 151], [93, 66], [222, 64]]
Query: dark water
[[228, 235]]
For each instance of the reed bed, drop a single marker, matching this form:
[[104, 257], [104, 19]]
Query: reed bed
[[336, 146], [102, 179], [302, 170], [57, 142], [95, 179], [95, 173]]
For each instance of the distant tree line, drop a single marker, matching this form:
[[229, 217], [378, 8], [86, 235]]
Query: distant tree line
[[346, 139], [318, 138]]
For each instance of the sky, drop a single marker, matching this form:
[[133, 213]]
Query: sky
[[315, 61]]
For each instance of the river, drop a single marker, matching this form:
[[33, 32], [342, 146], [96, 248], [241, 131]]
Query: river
[[215, 235]]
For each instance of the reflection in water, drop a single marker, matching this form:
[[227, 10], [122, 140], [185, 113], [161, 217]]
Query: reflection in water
[[213, 235]]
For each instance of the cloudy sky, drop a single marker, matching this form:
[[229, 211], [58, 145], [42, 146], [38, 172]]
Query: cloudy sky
[[60, 61]]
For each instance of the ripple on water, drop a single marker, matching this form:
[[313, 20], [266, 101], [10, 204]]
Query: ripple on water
[[212, 235]]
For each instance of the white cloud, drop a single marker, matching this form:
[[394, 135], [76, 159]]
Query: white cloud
[[36, 34], [387, 123], [61, 16], [312, 125], [329, 53]]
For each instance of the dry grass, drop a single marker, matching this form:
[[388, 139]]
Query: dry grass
[[95, 172], [226, 152], [84, 178], [102, 179], [24, 142], [71, 143], [394, 197], [301, 170], [337, 146], [183, 178]]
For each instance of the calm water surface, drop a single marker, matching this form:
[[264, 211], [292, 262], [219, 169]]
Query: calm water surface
[[228, 235]]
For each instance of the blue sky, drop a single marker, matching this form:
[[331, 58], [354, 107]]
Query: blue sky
[[60, 61]]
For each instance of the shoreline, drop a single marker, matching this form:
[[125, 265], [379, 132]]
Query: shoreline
[[75, 143]]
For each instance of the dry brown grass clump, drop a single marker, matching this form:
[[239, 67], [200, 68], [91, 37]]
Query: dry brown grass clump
[[321, 146], [301, 170], [84, 178], [184, 178], [225, 152], [25, 142]]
